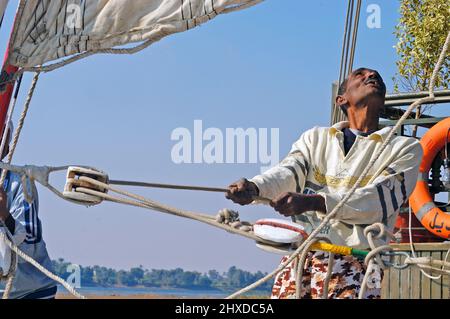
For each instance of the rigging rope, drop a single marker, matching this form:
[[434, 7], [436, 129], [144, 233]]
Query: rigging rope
[[9, 116], [182, 187], [379, 231], [348, 51], [40, 267], [413, 251]]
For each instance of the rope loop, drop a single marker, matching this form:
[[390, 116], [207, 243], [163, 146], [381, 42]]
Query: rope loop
[[377, 231]]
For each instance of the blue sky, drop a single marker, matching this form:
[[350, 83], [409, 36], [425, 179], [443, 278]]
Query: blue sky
[[270, 66]]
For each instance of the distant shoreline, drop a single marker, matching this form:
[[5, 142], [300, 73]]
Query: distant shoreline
[[138, 279], [153, 293]]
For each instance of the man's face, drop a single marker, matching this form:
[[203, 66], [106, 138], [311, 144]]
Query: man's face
[[364, 84]]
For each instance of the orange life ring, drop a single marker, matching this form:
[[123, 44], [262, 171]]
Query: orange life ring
[[421, 201]]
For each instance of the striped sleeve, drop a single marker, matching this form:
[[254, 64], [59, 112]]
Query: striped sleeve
[[289, 175], [28, 227], [381, 199]]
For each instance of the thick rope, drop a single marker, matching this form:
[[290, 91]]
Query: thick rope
[[354, 35], [333, 213], [429, 264], [301, 261], [379, 231], [342, 69], [301, 265], [40, 267], [149, 204], [326, 282], [12, 271], [364, 284], [260, 199], [413, 251], [15, 139], [348, 52], [10, 114]]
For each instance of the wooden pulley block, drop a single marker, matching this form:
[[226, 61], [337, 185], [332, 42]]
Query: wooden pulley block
[[73, 182]]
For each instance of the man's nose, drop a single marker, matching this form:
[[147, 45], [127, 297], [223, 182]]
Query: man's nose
[[371, 74]]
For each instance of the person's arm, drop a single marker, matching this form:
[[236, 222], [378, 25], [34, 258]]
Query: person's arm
[[22, 214], [290, 204], [290, 174], [382, 198]]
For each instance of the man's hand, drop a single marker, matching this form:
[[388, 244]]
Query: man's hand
[[290, 204], [4, 213], [242, 192]]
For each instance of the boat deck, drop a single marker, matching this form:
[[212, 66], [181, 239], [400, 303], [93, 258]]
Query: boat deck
[[410, 283]]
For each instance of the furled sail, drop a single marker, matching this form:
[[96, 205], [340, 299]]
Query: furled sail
[[47, 30]]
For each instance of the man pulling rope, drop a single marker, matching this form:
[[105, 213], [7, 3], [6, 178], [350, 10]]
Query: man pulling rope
[[322, 166]]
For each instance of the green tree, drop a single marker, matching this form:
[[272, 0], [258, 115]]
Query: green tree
[[234, 278], [60, 267], [87, 276], [137, 275], [421, 32]]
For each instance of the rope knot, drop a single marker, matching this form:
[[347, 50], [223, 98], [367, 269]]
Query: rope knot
[[231, 218], [227, 216], [377, 231]]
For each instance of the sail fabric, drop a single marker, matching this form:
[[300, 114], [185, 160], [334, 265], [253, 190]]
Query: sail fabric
[[47, 30]]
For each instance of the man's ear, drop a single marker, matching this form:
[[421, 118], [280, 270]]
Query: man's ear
[[341, 100]]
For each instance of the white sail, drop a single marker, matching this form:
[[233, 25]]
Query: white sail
[[47, 30]]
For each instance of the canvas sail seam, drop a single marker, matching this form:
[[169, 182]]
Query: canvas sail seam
[[147, 27]]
